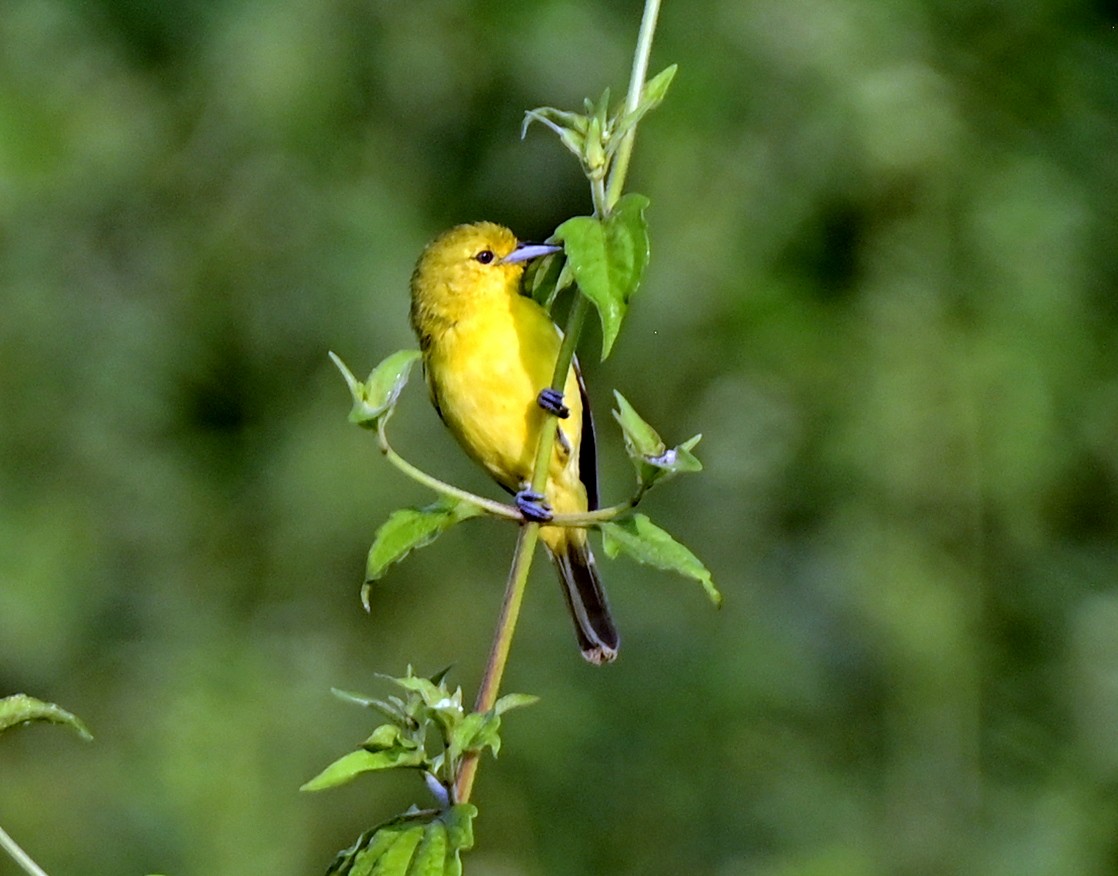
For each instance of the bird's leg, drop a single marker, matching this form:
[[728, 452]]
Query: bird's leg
[[551, 400], [533, 506]]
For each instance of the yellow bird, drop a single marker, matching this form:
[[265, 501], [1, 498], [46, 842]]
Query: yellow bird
[[489, 355]]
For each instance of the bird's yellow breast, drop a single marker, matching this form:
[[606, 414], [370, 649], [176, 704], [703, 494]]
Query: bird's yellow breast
[[485, 372]]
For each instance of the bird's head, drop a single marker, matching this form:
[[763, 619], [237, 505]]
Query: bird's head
[[469, 262]]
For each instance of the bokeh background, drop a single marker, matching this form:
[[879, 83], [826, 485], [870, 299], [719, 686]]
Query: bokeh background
[[884, 286]]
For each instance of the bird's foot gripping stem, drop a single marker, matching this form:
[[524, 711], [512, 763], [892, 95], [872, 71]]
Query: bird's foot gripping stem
[[533, 507], [551, 400]]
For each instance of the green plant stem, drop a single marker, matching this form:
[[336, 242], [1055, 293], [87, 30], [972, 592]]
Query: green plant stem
[[499, 650], [497, 509], [601, 515], [604, 199], [598, 195], [522, 558], [559, 383], [636, 85], [19, 855]]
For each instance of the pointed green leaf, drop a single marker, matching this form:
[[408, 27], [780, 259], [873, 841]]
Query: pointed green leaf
[[641, 440], [396, 858], [362, 856], [647, 543], [594, 161], [376, 397], [600, 110], [355, 388], [653, 461], [434, 696], [347, 767], [430, 857], [570, 127], [673, 461], [476, 732], [411, 528], [514, 701], [20, 709], [653, 93], [383, 386], [608, 258], [440, 676], [459, 821], [350, 697], [386, 737], [543, 277], [390, 710], [656, 88], [427, 843]]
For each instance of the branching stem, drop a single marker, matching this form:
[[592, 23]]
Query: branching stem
[[18, 855], [604, 196], [497, 509]]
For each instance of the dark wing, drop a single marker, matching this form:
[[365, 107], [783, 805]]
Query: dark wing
[[588, 448], [431, 391]]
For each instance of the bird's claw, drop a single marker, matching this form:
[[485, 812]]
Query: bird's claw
[[532, 506], [551, 400]]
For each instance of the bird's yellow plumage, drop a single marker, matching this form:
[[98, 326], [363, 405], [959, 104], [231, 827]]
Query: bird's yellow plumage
[[488, 351]]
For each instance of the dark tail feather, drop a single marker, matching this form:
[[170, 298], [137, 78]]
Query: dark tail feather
[[586, 600]]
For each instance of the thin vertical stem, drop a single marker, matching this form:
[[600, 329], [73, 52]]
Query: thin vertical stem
[[21, 857], [604, 199], [502, 642], [559, 383], [632, 100], [522, 558]]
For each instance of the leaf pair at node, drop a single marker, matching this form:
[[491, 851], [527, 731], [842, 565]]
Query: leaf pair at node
[[594, 136], [651, 457], [407, 529], [375, 399], [606, 257], [418, 843], [428, 729]]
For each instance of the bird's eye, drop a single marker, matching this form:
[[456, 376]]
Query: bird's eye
[[485, 256]]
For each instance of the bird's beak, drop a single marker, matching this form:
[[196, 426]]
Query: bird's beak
[[526, 251]]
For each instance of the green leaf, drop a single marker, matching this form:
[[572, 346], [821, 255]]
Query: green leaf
[[595, 160], [385, 738], [652, 95], [427, 843], [394, 858], [514, 701], [653, 460], [430, 856], [647, 543], [543, 279], [411, 528], [21, 709], [570, 127], [347, 767], [367, 701], [673, 461], [376, 397], [435, 695], [641, 440], [608, 258], [459, 821], [473, 734], [656, 88]]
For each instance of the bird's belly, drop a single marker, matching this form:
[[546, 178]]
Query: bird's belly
[[489, 402]]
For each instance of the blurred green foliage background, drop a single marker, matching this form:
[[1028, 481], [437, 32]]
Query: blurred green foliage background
[[884, 285]]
